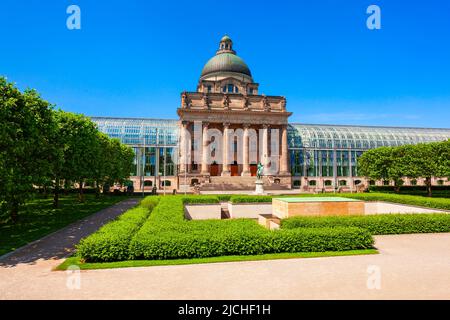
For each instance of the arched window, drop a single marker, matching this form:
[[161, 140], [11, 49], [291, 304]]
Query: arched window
[[328, 183], [148, 183], [372, 182], [312, 183], [343, 183], [166, 183], [194, 182]]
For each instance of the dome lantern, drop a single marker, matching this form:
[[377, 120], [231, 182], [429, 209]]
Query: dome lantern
[[226, 63], [226, 45]]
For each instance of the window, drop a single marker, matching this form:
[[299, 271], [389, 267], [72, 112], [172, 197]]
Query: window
[[372, 182], [277, 181], [297, 183], [166, 183], [385, 182], [357, 182], [328, 183], [230, 88], [343, 183], [250, 91], [440, 182], [414, 182], [312, 183], [147, 183], [209, 88], [194, 182]]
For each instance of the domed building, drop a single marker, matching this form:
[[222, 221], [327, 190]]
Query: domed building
[[226, 128], [251, 128]]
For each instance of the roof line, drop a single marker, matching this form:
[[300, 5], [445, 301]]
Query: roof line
[[290, 123], [364, 126], [130, 118]]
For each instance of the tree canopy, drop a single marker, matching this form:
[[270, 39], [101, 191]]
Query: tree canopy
[[41, 146], [423, 160]]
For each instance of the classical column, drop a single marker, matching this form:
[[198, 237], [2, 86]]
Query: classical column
[[205, 149], [265, 147], [183, 147], [245, 151], [284, 166], [226, 148]]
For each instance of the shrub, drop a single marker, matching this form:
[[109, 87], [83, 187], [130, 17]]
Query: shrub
[[224, 197], [111, 242], [377, 224], [199, 199], [244, 199], [167, 235], [437, 203]]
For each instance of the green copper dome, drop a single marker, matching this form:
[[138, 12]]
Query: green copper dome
[[226, 62], [225, 38]]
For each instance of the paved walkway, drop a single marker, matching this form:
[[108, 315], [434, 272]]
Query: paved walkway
[[60, 244], [408, 267]]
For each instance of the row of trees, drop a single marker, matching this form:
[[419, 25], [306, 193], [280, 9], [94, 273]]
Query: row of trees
[[40, 146], [424, 160]]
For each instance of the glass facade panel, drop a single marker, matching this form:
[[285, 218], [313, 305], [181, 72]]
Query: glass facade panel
[[314, 150]]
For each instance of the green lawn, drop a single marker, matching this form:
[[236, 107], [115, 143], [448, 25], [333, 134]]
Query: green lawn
[[38, 218], [75, 261]]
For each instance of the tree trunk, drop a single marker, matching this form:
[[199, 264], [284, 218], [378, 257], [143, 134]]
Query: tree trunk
[[14, 211], [428, 183], [56, 194], [97, 189], [81, 195]]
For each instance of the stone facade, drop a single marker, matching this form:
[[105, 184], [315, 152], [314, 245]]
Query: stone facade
[[227, 102]]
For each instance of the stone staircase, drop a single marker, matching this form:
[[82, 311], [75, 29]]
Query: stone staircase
[[237, 183]]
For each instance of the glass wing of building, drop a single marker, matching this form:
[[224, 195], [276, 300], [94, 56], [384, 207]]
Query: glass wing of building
[[315, 150], [333, 150], [155, 142]]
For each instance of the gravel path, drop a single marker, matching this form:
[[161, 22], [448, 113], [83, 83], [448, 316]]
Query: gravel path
[[61, 243], [408, 267]]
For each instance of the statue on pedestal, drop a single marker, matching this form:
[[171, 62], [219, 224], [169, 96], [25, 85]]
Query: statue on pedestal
[[259, 171], [259, 188]]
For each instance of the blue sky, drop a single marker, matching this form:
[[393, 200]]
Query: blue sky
[[134, 58]]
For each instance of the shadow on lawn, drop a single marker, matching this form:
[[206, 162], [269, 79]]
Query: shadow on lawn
[[61, 244]]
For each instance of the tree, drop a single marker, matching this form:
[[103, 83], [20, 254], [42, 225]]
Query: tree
[[25, 123], [81, 148], [427, 160], [385, 163], [375, 163]]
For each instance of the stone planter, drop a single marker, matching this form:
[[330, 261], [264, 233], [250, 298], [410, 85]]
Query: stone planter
[[202, 211], [249, 210]]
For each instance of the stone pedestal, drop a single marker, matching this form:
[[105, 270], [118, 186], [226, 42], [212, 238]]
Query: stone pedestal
[[259, 188]]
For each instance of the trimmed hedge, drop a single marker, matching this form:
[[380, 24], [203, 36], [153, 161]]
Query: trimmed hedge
[[376, 224], [436, 203], [408, 189], [244, 199], [232, 241], [165, 234], [112, 241], [200, 199]]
